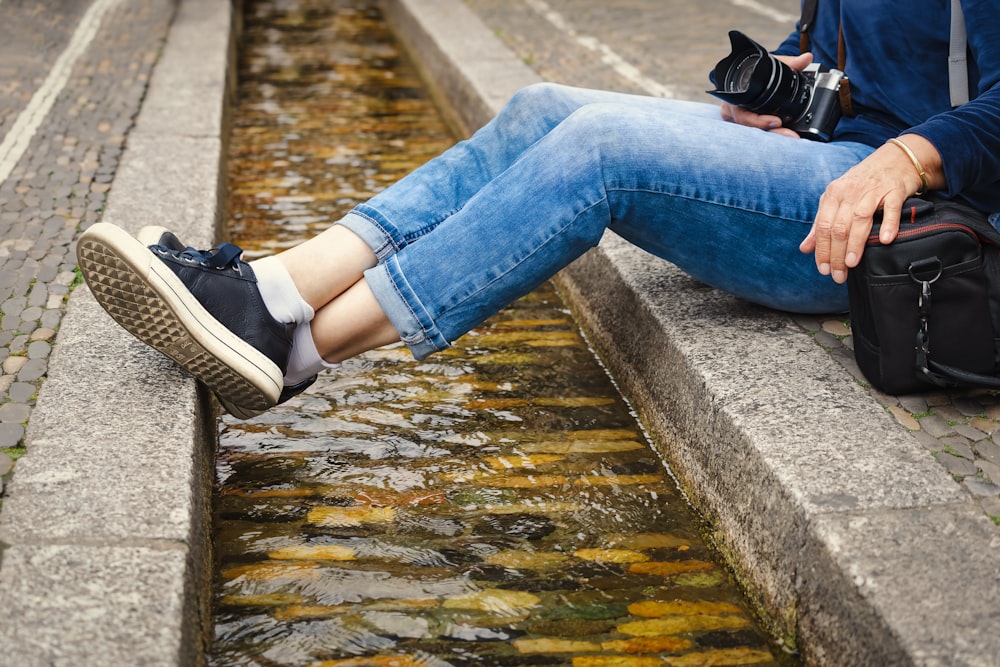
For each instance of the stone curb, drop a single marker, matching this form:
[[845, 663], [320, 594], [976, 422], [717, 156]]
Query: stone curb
[[773, 442], [107, 520]]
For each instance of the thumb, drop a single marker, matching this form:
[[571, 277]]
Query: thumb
[[798, 63]]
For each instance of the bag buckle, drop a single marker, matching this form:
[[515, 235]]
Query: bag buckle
[[925, 272]]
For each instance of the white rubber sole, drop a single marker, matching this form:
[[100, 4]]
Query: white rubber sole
[[150, 235], [149, 301]]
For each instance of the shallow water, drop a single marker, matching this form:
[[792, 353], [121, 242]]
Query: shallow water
[[496, 504]]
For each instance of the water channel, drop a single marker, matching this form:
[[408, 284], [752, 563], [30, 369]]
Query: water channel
[[497, 504]]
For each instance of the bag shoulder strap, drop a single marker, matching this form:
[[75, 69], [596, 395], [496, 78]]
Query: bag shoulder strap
[[953, 210], [958, 59]]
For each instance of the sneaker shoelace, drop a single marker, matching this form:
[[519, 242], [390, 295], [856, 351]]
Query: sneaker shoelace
[[224, 255]]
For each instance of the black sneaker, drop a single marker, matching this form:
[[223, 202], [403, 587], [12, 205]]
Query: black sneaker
[[200, 308], [155, 235]]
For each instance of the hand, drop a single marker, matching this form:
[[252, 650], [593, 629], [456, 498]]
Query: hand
[[740, 116], [882, 181]]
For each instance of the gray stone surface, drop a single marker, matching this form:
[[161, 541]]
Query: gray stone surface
[[62, 180], [10, 434], [922, 580], [94, 605], [171, 181], [188, 98], [125, 470]]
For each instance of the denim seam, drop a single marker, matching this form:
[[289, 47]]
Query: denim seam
[[423, 334], [386, 248], [712, 202]]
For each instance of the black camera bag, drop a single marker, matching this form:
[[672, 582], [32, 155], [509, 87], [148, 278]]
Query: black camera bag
[[925, 309]]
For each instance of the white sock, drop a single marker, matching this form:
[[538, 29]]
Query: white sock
[[304, 360], [278, 290]]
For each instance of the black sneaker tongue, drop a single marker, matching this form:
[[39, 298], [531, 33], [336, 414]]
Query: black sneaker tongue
[[218, 257]]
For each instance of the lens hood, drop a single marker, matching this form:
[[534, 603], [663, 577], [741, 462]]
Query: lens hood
[[752, 78]]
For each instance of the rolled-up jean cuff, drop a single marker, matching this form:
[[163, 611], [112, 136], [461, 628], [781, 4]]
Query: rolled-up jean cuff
[[370, 232], [404, 310]]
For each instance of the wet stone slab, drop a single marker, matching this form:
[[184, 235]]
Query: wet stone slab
[[496, 504]]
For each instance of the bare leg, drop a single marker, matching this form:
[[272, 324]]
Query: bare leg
[[351, 324], [328, 264]]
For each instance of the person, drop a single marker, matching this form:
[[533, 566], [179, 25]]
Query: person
[[735, 199]]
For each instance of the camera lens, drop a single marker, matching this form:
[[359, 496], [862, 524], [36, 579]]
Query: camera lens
[[752, 78], [738, 78]]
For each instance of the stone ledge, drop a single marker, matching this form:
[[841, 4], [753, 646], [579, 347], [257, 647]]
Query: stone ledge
[[785, 456], [93, 605]]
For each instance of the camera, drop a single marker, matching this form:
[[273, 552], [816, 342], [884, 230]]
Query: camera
[[807, 101]]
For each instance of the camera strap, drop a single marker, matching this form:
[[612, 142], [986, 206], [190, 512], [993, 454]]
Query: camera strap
[[806, 23], [958, 64], [846, 107]]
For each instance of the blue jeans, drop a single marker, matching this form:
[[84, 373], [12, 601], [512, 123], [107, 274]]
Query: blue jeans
[[498, 214]]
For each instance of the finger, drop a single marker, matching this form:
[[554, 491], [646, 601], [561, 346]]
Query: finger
[[821, 240], [839, 233], [832, 225], [892, 212], [808, 244], [859, 225], [857, 240], [799, 62], [751, 119], [784, 131]]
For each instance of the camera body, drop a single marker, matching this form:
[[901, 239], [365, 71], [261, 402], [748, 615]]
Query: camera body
[[807, 102], [822, 112]]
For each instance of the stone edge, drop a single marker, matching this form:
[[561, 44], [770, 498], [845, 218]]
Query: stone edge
[[771, 440], [105, 529]]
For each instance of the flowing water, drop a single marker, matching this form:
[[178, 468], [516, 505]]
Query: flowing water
[[497, 504]]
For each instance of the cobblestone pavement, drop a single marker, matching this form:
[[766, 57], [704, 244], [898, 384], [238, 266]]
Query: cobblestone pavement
[[668, 48], [56, 172]]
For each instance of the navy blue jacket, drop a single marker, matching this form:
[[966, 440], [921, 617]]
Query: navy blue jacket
[[897, 63]]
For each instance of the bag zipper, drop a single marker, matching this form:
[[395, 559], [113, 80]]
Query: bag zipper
[[905, 232]]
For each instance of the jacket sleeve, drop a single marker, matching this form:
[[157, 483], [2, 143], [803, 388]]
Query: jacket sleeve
[[789, 47]]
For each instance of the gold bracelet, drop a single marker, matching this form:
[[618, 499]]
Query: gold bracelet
[[916, 163]]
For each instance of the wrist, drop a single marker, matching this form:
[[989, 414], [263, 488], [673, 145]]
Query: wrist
[[924, 157], [914, 160]]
